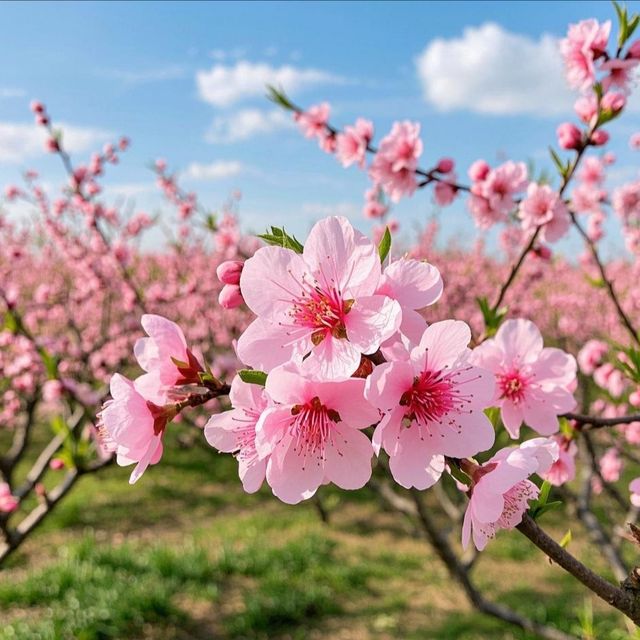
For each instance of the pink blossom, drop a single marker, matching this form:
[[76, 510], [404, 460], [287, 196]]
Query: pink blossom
[[501, 490], [321, 303], [586, 41], [8, 502], [569, 136], [445, 191], [312, 435], [619, 73], [634, 141], [606, 376], [313, 124], [543, 207], [613, 101], [352, 143], [235, 431], [634, 488], [563, 470], [165, 358], [478, 171], [415, 285], [132, 427], [445, 165], [591, 356], [533, 383], [492, 198], [374, 204], [432, 404], [611, 465], [396, 161]]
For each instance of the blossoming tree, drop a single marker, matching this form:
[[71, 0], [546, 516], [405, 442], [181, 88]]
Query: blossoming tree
[[352, 369]]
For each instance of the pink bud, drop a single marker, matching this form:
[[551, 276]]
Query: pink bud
[[445, 165], [161, 165], [51, 145], [229, 272], [56, 464], [634, 398], [543, 252], [36, 107], [230, 296], [569, 136], [609, 158], [124, 143], [479, 170], [600, 137], [42, 120], [613, 101], [634, 51]]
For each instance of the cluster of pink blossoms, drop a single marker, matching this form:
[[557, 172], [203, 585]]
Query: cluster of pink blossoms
[[340, 345]]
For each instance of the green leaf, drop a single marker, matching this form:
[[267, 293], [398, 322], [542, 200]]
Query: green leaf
[[279, 97], [566, 539], [492, 317], [385, 245], [280, 238], [493, 413], [251, 376], [560, 166]]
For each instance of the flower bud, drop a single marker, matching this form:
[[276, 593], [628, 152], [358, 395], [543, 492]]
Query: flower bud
[[634, 51], [445, 165], [36, 107], [613, 101], [569, 136], [230, 296], [599, 138], [228, 272]]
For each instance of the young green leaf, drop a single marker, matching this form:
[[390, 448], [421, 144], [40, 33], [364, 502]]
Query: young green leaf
[[280, 238], [385, 245], [251, 376]]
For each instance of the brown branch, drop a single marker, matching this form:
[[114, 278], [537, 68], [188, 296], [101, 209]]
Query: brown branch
[[596, 422], [624, 599], [624, 318]]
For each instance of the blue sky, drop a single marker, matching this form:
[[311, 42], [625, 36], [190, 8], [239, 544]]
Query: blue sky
[[180, 80]]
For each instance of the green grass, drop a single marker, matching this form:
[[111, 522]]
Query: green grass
[[186, 555]]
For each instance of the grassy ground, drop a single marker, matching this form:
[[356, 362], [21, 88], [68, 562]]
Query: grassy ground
[[186, 555]]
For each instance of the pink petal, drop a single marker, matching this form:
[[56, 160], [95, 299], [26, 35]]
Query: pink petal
[[412, 283], [252, 475], [443, 342], [387, 383], [347, 398], [512, 417], [520, 340], [220, 430], [332, 359], [146, 460], [371, 321], [348, 459], [264, 346], [272, 427], [271, 280], [291, 476], [340, 256], [414, 464]]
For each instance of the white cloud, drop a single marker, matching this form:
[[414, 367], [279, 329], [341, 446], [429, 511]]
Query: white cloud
[[345, 208], [223, 85], [214, 171], [12, 92], [128, 190], [246, 124], [20, 142], [490, 70], [160, 74]]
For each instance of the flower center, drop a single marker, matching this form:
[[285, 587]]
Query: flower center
[[513, 386], [322, 312], [429, 398], [312, 427]]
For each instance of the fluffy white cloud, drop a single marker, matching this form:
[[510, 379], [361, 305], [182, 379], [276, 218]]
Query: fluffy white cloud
[[247, 123], [223, 85], [20, 142], [214, 171], [490, 70]]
